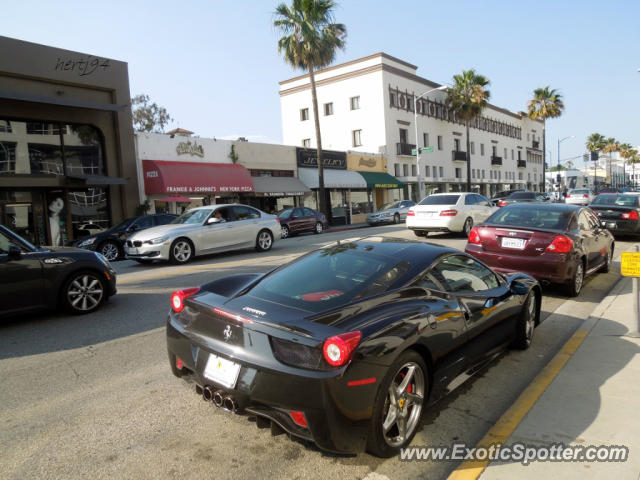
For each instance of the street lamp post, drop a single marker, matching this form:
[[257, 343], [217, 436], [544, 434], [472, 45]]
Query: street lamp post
[[559, 142], [415, 123]]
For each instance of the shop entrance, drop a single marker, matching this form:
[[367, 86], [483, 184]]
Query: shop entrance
[[19, 218]]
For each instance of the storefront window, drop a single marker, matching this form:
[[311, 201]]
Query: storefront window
[[310, 200], [83, 150], [360, 203], [23, 212], [88, 206]]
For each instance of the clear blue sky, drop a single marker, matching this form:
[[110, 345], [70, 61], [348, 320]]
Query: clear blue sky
[[214, 64]]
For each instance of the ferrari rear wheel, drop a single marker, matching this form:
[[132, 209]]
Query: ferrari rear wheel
[[398, 408], [526, 322]]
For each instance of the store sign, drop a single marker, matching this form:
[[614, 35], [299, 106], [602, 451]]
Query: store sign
[[308, 158], [366, 163], [188, 148], [207, 189]]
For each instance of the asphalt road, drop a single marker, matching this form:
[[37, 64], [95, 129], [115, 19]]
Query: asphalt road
[[93, 396]]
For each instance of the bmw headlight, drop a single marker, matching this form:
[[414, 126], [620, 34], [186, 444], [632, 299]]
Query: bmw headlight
[[156, 241], [87, 242]]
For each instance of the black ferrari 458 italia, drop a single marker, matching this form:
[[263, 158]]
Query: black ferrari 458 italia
[[346, 346]]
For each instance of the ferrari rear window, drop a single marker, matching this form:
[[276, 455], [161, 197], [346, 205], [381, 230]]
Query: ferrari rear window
[[440, 200], [330, 278], [532, 217]]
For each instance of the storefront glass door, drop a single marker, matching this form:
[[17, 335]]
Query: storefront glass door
[[19, 218]]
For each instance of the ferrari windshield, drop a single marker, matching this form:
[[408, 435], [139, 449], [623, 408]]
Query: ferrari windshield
[[193, 217], [330, 278]]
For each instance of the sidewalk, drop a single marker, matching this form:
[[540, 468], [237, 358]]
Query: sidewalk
[[341, 228], [594, 400]]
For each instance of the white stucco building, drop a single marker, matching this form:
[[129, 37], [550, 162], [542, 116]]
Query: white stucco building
[[366, 105]]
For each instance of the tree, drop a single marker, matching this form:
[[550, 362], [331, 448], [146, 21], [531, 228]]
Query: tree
[[309, 41], [611, 145], [546, 103], [467, 98], [147, 116], [626, 152], [633, 158], [594, 143]]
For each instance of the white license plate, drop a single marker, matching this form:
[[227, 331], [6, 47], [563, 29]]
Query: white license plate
[[222, 371], [513, 243], [426, 214]]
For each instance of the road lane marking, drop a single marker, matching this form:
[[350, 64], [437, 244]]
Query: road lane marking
[[507, 423]]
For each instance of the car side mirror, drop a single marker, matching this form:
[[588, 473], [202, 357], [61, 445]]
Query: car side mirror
[[213, 220], [14, 252]]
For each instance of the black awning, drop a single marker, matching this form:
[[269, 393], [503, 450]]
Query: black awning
[[66, 102], [99, 179]]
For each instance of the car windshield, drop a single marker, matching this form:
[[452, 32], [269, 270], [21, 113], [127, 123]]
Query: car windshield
[[627, 200], [605, 199], [330, 278], [389, 206], [579, 192], [193, 216], [532, 217], [286, 213], [440, 200], [122, 225], [522, 196]]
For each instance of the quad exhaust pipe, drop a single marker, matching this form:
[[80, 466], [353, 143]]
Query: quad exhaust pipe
[[229, 404], [218, 399], [207, 393]]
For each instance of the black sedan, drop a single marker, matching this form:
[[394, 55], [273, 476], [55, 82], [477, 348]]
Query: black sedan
[[301, 219], [110, 243], [34, 278], [618, 213], [348, 344]]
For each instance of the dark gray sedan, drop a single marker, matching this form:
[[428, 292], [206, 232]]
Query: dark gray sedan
[[392, 212]]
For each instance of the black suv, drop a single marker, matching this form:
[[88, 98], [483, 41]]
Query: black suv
[[110, 242]]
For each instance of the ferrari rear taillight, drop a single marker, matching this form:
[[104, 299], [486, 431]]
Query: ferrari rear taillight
[[338, 349], [560, 244], [411, 213], [178, 298], [448, 213], [179, 363], [502, 203], [474, 236], [632, 215]]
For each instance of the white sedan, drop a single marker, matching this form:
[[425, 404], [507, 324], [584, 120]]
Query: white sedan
[[449, 212], [203, 230], [579, 196]]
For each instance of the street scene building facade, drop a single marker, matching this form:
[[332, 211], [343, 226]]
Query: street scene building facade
[[66, 142], [367, 105]]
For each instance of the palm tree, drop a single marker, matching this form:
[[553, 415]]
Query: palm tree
[[309, 41], [594, 143], [611, 145], [546, 103], [626, 152], [467, 98], [633, 159]]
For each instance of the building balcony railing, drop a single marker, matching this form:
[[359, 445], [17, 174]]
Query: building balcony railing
[[535, 144], [522, 164], [404, 148], [458, 156], [496, 160]]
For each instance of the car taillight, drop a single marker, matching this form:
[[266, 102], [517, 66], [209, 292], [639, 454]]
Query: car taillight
[[502, 203], [560, 244], [585, 196], [178, 298], [448, 213], [278, 219], [179, 363], [474, 236], [568, 196], [411, 213], [632, 215], [338, 349]]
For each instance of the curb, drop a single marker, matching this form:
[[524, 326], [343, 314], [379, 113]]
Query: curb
[[511, 418]]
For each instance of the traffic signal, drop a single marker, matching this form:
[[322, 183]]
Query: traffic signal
[[594, 156], [586, 181]]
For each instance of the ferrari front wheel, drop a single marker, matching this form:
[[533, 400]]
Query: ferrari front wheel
[[399, 404]]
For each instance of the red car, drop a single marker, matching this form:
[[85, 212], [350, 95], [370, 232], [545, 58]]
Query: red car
[[554, 243], [301, 219]]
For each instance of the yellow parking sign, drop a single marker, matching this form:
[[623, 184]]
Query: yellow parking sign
[[630, 264]]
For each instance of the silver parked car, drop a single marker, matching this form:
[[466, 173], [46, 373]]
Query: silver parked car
[[204, 230], [392, 212]]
